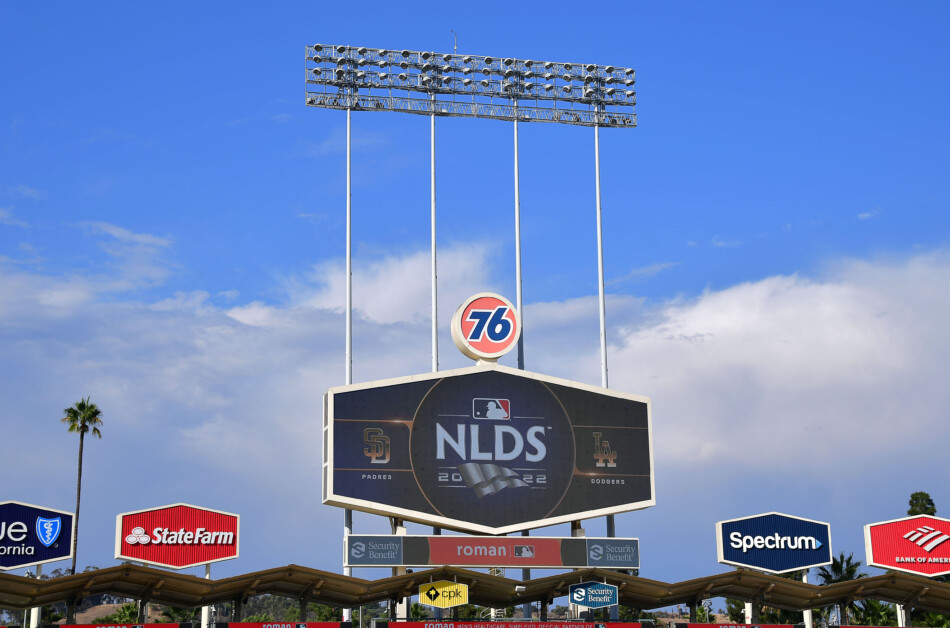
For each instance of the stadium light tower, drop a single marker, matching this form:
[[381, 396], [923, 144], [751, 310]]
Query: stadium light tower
[[356, 78], [473, 86]]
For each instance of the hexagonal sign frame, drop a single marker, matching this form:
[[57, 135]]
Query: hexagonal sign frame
[[177, 536], [486, 449], [774, 542], [919, 544]]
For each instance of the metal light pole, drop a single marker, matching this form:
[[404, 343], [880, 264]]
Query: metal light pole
[[448, 84]]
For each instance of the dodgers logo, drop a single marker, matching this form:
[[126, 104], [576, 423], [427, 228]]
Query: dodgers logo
[[47, 530]]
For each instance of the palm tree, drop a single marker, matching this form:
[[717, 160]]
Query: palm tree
[[842, 569], [84, 418]]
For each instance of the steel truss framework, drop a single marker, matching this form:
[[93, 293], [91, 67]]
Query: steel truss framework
[[448, 84]]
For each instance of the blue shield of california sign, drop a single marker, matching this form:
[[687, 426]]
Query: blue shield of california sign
[[47, 530], [774, 542], [32, 535]]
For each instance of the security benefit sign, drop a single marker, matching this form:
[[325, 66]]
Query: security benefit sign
[[774, 542], [443, 594], [486, 449], [593, 594], [366, 550], [32, 535], [918, 545], [177, 536]]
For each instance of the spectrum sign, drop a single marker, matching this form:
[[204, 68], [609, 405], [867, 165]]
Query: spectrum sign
[[32, 535], [774, 542], [918, 545], [486, 449], [177, 536], [365, 550]]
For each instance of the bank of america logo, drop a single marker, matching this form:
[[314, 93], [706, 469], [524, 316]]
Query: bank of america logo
[[926, 537]]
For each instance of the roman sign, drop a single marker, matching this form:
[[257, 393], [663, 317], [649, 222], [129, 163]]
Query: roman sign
[[177, 536], [490, 551], [593, 594], [918, 545], [774, 542], [486, 449], [443, 594], [33, 535]]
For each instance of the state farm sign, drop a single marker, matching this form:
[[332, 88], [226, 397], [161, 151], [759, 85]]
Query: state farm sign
[[177, 536], [918, 545]]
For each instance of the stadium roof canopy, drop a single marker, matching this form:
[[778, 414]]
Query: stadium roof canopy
[[312, 585]]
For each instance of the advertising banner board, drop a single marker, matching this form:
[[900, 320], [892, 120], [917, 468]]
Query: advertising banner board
[[918, 545], [276, 624], [448, 623], [393, 550], [593, 594], [486, 449], [774, 542], [33, 535], [443, 594], [177, 536]]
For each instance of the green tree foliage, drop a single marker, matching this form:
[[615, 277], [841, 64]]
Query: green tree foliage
[[842, 569], [82, 418], [125, 614], [921, 504], [875, 613], [418, 611], [260, 617], [175, 615]]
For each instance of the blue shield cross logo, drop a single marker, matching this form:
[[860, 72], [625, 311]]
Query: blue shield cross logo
[[48, 530]]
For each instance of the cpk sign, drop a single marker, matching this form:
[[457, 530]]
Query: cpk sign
[[32, 535], [177, 536], [919, 545], [486, 449]]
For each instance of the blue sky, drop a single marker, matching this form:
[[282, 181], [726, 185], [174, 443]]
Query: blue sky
[[776, 232]]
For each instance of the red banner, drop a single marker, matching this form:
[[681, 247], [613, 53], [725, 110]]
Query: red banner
[[177, 536], [494, 551], [503, 623], [285, 624], [919, 545]]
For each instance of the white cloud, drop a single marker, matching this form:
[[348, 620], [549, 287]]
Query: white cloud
[[869, 214], [7, 218], [643, 272], [757, 389], [25, 191]]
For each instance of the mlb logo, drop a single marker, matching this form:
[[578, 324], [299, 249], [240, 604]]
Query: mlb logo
[[524, 551], [498, 409]]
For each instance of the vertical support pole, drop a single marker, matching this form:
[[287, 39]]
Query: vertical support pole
[[518, 298], [206, 610], [349, 251], [693, 611], [35, 611], [600, 261], [902, 619], [526, 610], [347, 513], [347, 571], [806, 614], [435, 301], [748, 612]]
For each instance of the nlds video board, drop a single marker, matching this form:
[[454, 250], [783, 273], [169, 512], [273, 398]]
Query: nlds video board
[[486, 449]]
